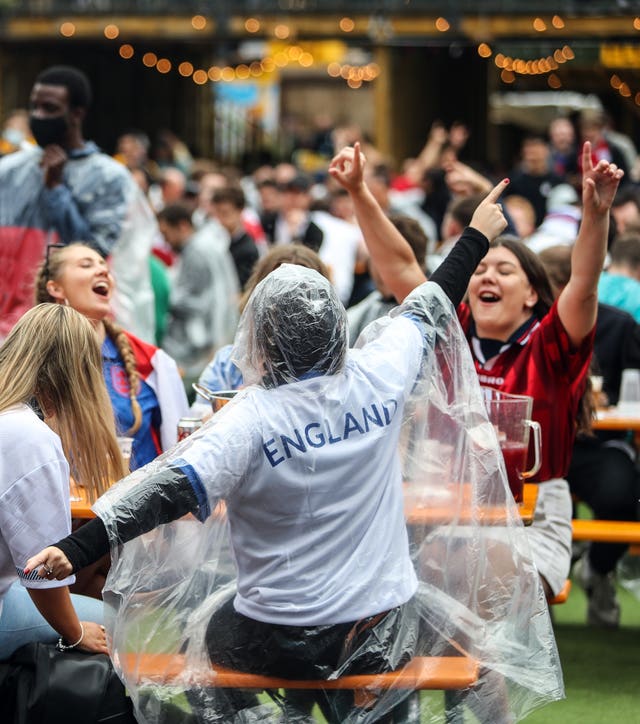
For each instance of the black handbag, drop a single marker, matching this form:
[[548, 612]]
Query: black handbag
[[41, 685]]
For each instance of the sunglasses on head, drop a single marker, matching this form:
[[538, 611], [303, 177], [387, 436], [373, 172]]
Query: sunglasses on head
[[48, 250]]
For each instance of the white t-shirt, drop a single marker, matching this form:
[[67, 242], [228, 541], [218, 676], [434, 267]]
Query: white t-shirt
[[339, 250], [313, 486], [34, 495]]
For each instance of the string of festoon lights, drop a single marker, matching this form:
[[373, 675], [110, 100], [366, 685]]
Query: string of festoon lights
[[624, 89], [510, 67], [353, 75], [619, 57]]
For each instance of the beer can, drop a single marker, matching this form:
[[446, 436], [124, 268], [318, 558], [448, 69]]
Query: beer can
[[187, 425]]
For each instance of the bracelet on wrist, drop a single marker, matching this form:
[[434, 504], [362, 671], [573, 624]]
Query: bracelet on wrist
[[61, 646]]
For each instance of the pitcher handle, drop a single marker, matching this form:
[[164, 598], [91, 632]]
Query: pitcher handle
[[537, 447]]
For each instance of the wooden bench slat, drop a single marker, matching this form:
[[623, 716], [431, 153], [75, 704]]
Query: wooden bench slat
[[606, 531], [422, 672]]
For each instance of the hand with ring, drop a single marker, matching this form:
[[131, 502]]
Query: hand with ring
[[50, 563]]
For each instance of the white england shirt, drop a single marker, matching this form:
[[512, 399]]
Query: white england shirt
[[34, 495], [313, 486]]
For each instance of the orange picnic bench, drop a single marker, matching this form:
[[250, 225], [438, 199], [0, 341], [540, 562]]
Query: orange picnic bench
[[422, 672], [607, 531]]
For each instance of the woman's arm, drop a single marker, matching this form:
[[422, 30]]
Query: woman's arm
[[163, 497], [578, 301], [429, 156], [389, 250], [56, 607]]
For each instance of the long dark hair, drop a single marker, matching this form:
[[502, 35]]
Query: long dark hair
[[538, 277]]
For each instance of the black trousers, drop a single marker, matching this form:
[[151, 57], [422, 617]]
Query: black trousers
[[375, 644], [607, 480]]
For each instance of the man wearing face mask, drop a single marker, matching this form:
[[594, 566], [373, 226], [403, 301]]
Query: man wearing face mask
[[63, 190]]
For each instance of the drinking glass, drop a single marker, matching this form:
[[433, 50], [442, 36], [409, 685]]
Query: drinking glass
[[629, 400], [125, 444]]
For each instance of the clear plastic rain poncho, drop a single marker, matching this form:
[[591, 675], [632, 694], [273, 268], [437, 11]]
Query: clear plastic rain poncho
[[339, 485]]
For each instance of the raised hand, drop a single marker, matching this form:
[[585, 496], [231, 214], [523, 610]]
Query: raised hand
[[438, 134], [599, 183], [347, 168], [459, 175], [458, 135], [488, 217]]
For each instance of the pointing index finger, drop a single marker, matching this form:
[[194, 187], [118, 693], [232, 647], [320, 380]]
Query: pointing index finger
[[495, 192], [357, 161], [587, 162]]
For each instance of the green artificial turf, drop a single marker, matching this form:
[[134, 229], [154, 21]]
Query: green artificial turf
[[601, 667]]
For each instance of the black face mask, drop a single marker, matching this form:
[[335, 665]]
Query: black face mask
[[47, 131]]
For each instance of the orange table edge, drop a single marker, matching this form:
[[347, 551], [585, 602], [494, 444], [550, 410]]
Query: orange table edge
[[441, 514], [81, 509], [609, 419]]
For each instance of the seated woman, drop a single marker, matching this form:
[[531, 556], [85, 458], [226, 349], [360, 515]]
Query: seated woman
[[523, 342], [306, 460], [144, 384], [54, 412]]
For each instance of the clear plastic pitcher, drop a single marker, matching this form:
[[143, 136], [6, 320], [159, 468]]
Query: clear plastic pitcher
[[511, 418]]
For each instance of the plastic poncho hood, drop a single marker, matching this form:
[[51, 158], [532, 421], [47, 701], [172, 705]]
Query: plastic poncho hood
[[293, 327]]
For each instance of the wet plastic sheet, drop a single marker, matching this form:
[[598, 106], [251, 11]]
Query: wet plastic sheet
[[437, 497]]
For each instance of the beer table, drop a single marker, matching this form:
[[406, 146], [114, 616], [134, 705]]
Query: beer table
[[80, 506], [611, 419], [437, 512], [442, 511]]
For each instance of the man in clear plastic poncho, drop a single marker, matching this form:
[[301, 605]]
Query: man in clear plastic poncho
[[309, 570]]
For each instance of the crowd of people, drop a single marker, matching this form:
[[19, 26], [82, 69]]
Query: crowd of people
[[279, 282]]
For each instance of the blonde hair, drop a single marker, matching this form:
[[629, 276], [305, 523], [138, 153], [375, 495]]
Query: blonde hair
[[52, 355], [52, 270]]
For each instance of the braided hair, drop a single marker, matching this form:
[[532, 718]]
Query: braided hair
[[119, 338], [52, 269]]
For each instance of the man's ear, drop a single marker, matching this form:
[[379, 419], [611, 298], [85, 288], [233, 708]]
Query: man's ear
[[78, 115]]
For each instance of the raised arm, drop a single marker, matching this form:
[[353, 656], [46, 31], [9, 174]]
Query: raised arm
[[429, 156], [391, 253], [487, 222], [389, 250], [577, 304]]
